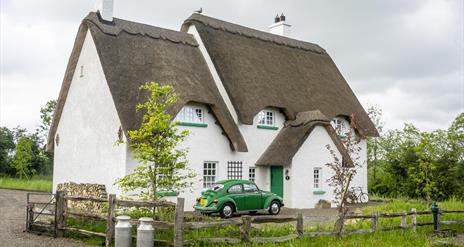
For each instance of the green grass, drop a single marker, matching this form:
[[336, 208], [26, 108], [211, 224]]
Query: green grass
[[394, 238], [37, 183]]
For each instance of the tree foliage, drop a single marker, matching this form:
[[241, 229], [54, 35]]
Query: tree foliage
[[155, 146], [38, 159], [23, 157], [420, 164]]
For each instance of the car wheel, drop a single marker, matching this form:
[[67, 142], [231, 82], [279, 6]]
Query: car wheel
[[227, 210], [274, 208]]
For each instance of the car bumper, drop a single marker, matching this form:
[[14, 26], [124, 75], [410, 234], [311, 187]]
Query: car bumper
[[206, 209]]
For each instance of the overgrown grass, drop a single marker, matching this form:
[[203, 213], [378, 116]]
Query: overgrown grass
[[381, 238], [36, 183]]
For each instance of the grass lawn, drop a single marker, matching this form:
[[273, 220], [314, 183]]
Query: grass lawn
[[37, 183], [382, 238]]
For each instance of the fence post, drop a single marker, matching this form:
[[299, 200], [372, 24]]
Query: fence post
[[179, 220], [245, 230], [404, 224], [414, 219], [110, 219], [30, 216], [299, 225], [374, 221], [60, 209], [436, 216]]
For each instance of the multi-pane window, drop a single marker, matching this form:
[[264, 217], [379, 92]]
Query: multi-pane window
[[209, 174], [317, 178], [251, 173], [266, 117], [234, 170], [339, 126], [191, 114]]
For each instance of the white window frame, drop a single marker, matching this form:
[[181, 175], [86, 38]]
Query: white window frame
[[339, 125], [266, 118], [209, 178], [317, 177], [191, 114], [252, 175]]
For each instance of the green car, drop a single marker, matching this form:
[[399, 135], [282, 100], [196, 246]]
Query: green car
[[237, 196]]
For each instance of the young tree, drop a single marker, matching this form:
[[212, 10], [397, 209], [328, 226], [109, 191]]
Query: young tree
[[46, 117], [373, 143], [154, 144], [23, 157], [343, 173]]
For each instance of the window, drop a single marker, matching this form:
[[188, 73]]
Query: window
[[250, 188], [337, 124], [317, 178], [82, 71], [251, 173], [191, 114], [209, 174], [266, 118], [234, 170], [236, 189]]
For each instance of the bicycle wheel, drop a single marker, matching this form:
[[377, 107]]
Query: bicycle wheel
[[363, 198]]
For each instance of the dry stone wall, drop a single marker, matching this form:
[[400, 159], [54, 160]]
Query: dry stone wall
[[85, 189]]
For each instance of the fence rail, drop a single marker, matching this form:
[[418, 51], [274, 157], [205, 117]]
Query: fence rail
[[179, 226]]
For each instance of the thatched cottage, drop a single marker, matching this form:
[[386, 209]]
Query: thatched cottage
[[259, 105]]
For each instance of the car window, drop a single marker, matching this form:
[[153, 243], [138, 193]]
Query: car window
[[217, 187], [249, 188], [236, 189]]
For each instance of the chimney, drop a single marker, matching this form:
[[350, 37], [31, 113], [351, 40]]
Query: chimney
[[105, 8], [280, 27]]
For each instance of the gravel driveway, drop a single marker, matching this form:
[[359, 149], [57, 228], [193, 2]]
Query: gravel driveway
[[12, 224]]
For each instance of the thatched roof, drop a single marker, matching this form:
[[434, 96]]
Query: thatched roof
[[132, 54], [259, 69], [294, 134]]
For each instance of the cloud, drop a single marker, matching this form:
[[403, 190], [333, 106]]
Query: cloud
[[406, 56]]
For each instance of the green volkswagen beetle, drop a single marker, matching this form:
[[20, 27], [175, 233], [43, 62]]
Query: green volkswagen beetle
[[237, 196]]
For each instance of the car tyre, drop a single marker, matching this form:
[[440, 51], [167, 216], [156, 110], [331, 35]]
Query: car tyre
[[227, 210], [274, 208]]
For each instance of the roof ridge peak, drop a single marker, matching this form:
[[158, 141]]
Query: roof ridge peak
[[137, 28], [252, 33]]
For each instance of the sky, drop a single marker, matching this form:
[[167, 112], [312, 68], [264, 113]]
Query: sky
[[407, 57]]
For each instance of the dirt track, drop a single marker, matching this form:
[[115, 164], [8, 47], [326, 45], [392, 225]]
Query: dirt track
[[12, 224]]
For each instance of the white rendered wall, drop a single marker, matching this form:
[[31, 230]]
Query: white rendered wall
[[313, 153], [88, 128]]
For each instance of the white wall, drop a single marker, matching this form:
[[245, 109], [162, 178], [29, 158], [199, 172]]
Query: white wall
[[312, 154], [88, 128]]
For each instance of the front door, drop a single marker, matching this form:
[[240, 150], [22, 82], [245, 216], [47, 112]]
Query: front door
[[277, 180]]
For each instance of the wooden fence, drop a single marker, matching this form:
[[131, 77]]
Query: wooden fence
[[245, 223]]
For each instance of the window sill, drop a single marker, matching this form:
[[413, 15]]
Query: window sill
[[267, 127], [202, 125], [318, 192]]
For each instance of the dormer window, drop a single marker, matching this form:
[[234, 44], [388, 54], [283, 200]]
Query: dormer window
[[339, 125], [266, 119], [191, 116]]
